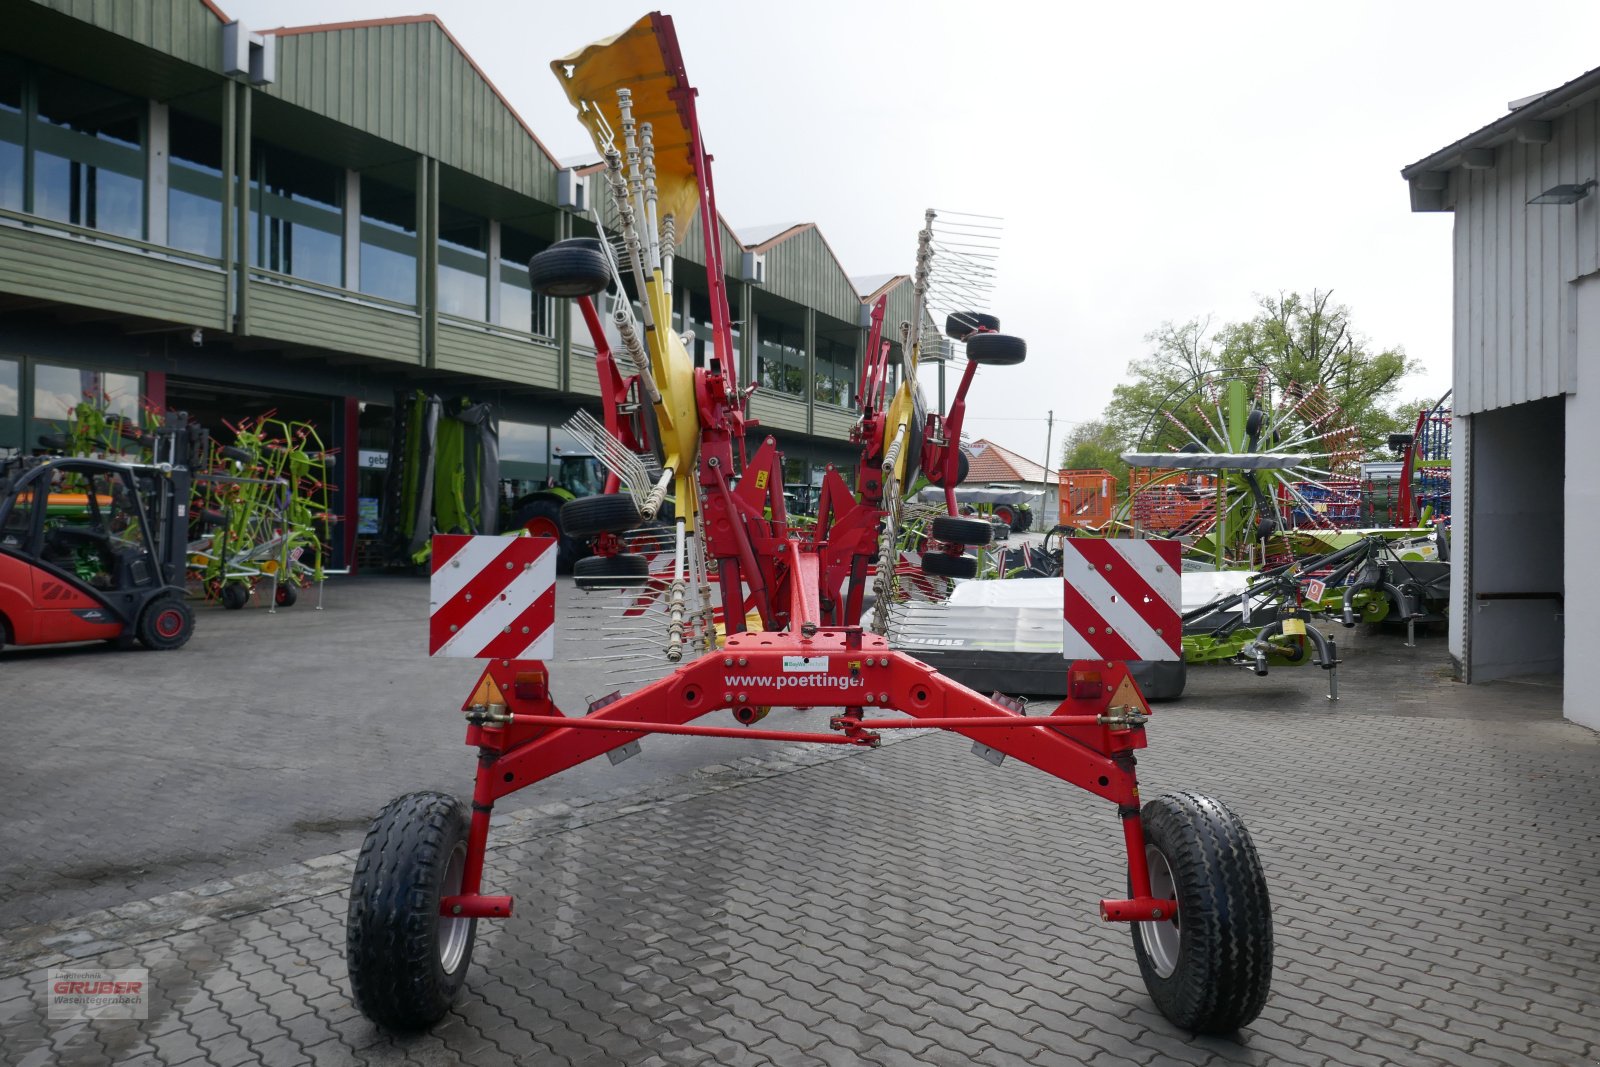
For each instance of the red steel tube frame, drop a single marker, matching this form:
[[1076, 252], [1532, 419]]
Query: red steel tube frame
[[531, 740]]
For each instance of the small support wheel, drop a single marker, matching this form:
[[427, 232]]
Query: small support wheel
[[575, 267], [235, 595], [586, 516], [625, 570], [1209, 968], [407, 962], [955, 530], [996, 349], [166, 624], [963, 324], [944, 565], [286, 595]]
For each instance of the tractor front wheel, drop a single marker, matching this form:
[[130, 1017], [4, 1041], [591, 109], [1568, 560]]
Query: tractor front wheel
[[407, 962], [1209, 968]]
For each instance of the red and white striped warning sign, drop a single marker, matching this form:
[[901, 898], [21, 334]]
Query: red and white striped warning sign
[[1122, 598], [492, 597]]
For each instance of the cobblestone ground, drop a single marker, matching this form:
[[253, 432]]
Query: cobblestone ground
[[1431, 850]]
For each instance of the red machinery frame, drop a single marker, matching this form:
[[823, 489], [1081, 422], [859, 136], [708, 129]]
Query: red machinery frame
[[812, 651]]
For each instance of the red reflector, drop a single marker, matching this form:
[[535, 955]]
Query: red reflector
[[529, 685]]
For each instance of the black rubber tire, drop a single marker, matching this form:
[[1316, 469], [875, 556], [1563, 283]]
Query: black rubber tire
[[963, 324], [393, 928], [286, 595], [571, 268], [622, 571], [954, 530], [165, 624], [1024, 520], [1223, 969], [548, 514], [55, 442], [944, 565], [1005, 513], [1255, 422], [963, 467], [238, 455], [996, 350], [235, 595], [586, 516]]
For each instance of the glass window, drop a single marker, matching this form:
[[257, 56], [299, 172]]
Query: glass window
[[297, 215], [524, 455], [194, 185], [463, 265], [836, 372], [10, 405], [12, 133], [780, 356], [704, 346], [62, 395], [520, 307], [388, 241], [88, 167]]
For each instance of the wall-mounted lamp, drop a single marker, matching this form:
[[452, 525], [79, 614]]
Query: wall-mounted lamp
[[1564, 194]]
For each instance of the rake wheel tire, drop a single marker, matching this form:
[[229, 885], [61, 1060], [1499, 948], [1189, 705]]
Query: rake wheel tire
[[961, 325], [955, 530], [407, 962], [1222, 970], [571, 268], [235, 595], [624, 570], [286, 595], [586, 516], [944, 565], [165, 624], [996, 350]]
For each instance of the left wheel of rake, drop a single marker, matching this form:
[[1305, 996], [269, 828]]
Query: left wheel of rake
[[571, 268], [407, 962], [1209, 968]]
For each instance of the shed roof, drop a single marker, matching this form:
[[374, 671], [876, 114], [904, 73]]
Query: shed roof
[[1527, 120]]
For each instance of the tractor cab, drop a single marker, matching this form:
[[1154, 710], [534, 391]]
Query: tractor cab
[[93, 550], [579, 474]]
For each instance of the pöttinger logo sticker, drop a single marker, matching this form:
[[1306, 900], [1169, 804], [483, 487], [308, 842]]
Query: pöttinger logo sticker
[[97, 993]]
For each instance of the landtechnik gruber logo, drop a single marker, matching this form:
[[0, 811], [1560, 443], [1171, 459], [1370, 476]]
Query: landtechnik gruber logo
[[97, 993]]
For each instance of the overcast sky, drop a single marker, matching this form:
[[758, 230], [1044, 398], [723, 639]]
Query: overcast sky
[[1151, 161]]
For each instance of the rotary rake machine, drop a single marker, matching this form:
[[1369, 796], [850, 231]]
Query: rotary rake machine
[[1197, 898]]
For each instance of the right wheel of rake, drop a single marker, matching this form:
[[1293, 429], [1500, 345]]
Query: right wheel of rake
[[996, 349], [963, 324], [1209, 968]]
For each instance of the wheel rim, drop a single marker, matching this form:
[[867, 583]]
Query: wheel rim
[[169, 623], [1161, 939], [453, 933], [540, 526]]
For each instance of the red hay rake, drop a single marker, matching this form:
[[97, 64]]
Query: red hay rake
[[1196, 893]]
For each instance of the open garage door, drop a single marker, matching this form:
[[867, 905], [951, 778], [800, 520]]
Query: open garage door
[[1515, 582]]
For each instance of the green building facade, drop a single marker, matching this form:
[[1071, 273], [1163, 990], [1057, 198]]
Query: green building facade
[[200, 218]]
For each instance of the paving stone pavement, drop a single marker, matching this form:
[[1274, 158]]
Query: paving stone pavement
[[1431, 850]]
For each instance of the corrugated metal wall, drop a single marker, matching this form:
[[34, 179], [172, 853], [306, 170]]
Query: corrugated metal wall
[[1514, 264], [803, 270], [409, 84], [186, 29]]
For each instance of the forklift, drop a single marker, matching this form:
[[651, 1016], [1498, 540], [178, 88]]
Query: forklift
[[94, 549]]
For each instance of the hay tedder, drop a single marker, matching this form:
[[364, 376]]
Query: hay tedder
[[1196, 895]]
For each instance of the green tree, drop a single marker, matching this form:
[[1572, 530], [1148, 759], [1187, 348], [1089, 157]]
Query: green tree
[[1093, 445], [1302, 342]]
